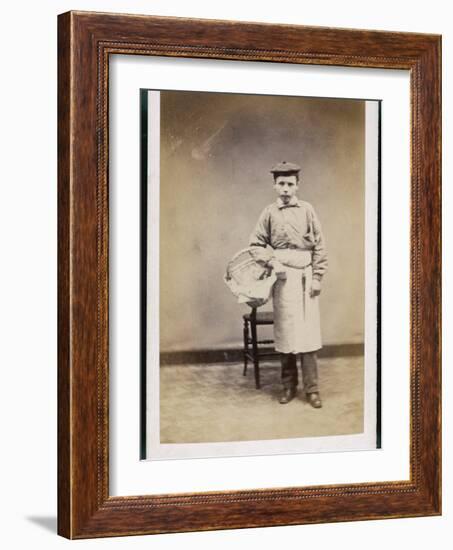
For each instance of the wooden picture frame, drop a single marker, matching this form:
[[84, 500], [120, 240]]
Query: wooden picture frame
[[85, 508]]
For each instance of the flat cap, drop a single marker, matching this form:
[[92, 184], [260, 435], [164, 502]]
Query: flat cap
[[285, 168]]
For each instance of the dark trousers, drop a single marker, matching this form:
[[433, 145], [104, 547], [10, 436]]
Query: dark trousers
[[309, 371]]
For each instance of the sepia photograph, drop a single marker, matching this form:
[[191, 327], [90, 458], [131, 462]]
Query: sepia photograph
[[259, 274]]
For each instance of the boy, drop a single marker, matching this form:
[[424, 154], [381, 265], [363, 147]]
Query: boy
[[292, 230]]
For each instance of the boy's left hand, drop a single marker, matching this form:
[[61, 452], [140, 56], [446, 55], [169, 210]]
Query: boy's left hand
[[315, 289]]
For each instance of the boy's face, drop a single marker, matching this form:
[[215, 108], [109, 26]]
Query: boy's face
[[286, 187]]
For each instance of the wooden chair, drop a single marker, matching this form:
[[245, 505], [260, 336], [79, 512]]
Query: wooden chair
[[251, 343]]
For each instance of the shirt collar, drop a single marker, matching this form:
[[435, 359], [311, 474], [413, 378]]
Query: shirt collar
[[294, 201]]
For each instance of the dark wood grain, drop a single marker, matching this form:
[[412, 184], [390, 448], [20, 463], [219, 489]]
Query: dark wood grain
[[85, 42], [64, 369]]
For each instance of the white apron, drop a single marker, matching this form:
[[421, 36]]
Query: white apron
[[296, 314]]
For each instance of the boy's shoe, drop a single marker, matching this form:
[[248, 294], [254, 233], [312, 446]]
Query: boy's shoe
[[286, 395], [314, 400]]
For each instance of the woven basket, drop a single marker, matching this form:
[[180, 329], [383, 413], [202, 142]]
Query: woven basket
[[249, 277]]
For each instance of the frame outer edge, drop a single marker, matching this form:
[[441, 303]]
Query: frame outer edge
[[64, 340], [88, 300], [439, 318], [80, 478], [431, 223]]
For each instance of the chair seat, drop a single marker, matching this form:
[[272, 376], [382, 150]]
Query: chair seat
[[262, 317]]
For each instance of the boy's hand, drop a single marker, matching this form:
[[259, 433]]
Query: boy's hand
[[278, 268], [315, 288]]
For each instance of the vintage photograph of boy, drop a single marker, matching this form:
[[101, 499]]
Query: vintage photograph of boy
[[263, 253]]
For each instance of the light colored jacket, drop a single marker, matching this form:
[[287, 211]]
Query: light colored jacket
[[296, 226]]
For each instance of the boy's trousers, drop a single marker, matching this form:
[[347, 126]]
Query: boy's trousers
[[309, 371]]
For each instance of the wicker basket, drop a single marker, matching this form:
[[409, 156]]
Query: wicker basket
[[249, 277]]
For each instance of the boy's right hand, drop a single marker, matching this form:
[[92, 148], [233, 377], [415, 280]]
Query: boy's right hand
[[279, 269]]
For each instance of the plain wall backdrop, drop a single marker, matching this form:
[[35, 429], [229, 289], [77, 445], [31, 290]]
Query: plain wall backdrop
[[216, 154], [28, 316]]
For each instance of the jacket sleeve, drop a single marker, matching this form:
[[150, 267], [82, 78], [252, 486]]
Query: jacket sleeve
[[319, 257], [261, 234], [260, 239]]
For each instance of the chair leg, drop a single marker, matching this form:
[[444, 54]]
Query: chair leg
[[256, 364], [246, 345]]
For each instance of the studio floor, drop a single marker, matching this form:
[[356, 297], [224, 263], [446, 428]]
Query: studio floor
[[215, 402]]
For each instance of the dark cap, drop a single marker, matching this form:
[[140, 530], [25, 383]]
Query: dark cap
[[285, 168]]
